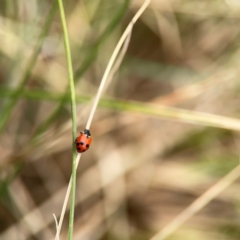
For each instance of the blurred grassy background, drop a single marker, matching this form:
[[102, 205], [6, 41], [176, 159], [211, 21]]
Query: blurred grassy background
[[142, 169]]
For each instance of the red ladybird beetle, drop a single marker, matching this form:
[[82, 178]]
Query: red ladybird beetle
[[83, 141]]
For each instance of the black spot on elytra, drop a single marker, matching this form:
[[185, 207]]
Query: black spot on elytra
[[79, 148], [87, 145], [82, 143], [78, 144]]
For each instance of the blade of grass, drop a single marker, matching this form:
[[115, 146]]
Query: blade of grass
[[15, 95], [177, 114], [156, 110], [73, 112]]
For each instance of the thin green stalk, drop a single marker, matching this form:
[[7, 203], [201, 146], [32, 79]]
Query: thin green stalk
[[15, 95], [73, 111]]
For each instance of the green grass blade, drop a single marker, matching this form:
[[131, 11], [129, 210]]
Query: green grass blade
[[73, 111], [155, 110]]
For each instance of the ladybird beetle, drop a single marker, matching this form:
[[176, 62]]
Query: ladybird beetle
[[83, 141]]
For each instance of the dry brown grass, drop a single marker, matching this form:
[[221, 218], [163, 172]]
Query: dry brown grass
[[141, 171]]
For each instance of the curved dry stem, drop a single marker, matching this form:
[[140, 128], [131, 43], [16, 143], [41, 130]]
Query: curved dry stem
[[112, 59], [118, 61]]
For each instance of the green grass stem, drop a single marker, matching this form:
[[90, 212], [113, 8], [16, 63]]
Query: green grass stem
[[73, 112]]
